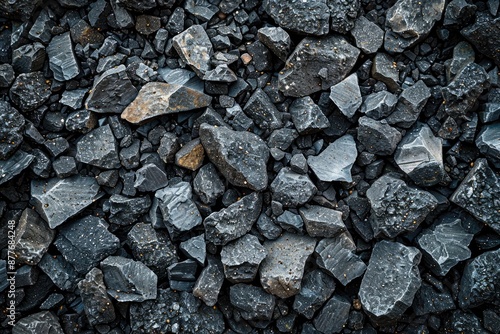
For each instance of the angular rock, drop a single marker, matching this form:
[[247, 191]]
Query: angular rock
[[7, 75], [195, 248], [292, 189], [307, 116], [252, 302], [459, 13], [28, 58], [463, 55], [368, 36], [208, 185], [83, 34], [262, 111], [463, 322], [42, 28], [150, 178], [444, 245], [290, 221], [282, 270], [312, 66], [222, 73], [14, 165], [336, 161], [241, 259], [73, 98], [491, 110], [410, 104], [147, 24], [60, 271], [128, 280], [209, 283], [322, 222], [397, 208], [420, 156], [41, 322], [479, 194], [333, 316], [346, 95], [408, 22], [11, 135], [378, 137], [240, 156], [275, 39], [62, 59], [98, 148], [182, 275], [97, 305], [336, 255], [430, 300], [267, 227], [234, 221], [112, 92], [194, 48], [169, 145], [390, 282], [282, 138], [384, 69], [316, 288], [29, 91], [32, 238], [58, 200], [159, 98], [488, 142], [81, 121], [482, 34], [125, 211], [191, 155], [85, 242]]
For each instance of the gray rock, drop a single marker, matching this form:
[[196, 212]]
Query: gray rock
[[195, 248], [322, 222], [290, 222], [298, 164], [488, 142], [150, 178], [41, 165], [252, 302], [378, 137], [420, 156], [97, 305], [336, 161], [390, 282], [384, 69], [234, 221], [169, 145], [408, 23], [222, 73], [275, 39], [28, 58], [208, 185], [463, 55], [333, 316], [397, 208], [209, 283], [20, 9], [307, 116], [182, 275], [463, 322], [282, 138], [128, 280], [459, 13], [112, 92], [336, 255], [85, 242], [316, 288], [41, 322], [482, 34], [481, 281], [194, 48], [12, 167], [58, 200], [410, 104], [62, 59], [32, 238], [379, 105], [65, 166], [240, 156], [7, 75], [60, 271], [479, 194], [191, 155], [444, 245], [282, 270], [98, 148], [179, 212], [125, 211], [311, 17], [262, 111], [343, 14], [292, 189], [368, 36], [29, 91], [159, 98], [11, 132], [315, 67], [73, 98], [241, 259], [346, 95], [42, 28], [81, 121], [267, 227], [491, 110]]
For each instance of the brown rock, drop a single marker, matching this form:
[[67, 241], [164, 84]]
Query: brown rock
[[191, 155]]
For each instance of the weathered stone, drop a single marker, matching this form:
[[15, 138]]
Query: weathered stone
[[222, 73], [289, 221], [346, 95], [307, 116], [276, 39], [240, 156], [292, 189], [316, 288], [482, 34], [41, 322], [112, 92], [14, 165], [42, 28], [98, 306], [267, 227], [262, 111], [410, 104], [83, 34], [378, 137], [313, 66], [463, 55], [169, 145], [282, 138], [58, 200], [191, 155], [81, 121], [28, 58], [7, 75], [430, 300], [195, 49], [62, 59], [29, 91], [390, 282], [128, 280], [181, 275], [125, 211], [463, 322], [491, 110], [241, 259], [147, 24], [73, 98], [384, 69], [11, 131], [336, 161], [252, 301], [98, 148], [333, 316], [41, 165], [488, 143], [368, 36], [281, 271], [195, 248], [150, 178], [322, 222], [209, 283], [159, 98], [208, 185], [234, 221], [60, 271]]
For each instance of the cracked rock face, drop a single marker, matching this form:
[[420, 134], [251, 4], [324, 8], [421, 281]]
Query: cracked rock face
[[241, 259], [194, 47]]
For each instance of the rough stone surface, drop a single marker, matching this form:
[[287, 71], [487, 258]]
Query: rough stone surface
[[488, 142], [125, 211], [41, 322], [322, 222], [384, 69], [195, 49], [98, 306], [209, 283], [333, 316], [369, 37], [253, 302], [150, 178], [307, 116], [14, 165], [262, 111], [62, 59], [482, 34], [27, 58], [98, 148], [60, 271], [346, 95], [316, 288], [292, 189], [410, 104], [241, 259], [276, 39], [335, 162], [195, 248], [29, 91], [208, 185], [378, 137]]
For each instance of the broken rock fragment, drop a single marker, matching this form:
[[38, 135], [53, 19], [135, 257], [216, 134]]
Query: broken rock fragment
[[13, 166], [410, 104], [276, 39], [99, 148], [316, 288], [262, 111], [241, 259], [62, 59], [488, 142], [208, 185], [307, 116], [150, 178], [321, 221], [97, 304], [125, 211], [346, 95], [483, 35], [292, 189], [368, 36], [378, 137], [209, 283], [41, 322], [333, 316], [29, 91], [195, 49]]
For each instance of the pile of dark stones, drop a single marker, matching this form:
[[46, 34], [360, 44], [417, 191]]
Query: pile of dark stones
[[248, 166]]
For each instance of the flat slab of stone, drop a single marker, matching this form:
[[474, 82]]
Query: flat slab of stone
[[322, 222], [62, 59]]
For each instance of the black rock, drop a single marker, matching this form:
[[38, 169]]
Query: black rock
[[369, 37], [169, 145], [7, 75], [208, 185], [125, 211], [262, 111], [292, 189], [147, 24], [430, 300], [252, 302], [21, 9], [201, 9], [282, 138], [221, 73], [346, 95], [463, 322], [298, 164], [276, 39], [81, 121], [195, 248], [56, 146], [322, 222], [397, 208], [150, 178], [384, 69], [267, 227], [209, 283], [195, 49], [29, 91], [316, 288], [58, 200], [491, 108], [28, 58], [128, 280], [98, 148], [463, 55], [182, 275], [488, 142], [240, 156], [60, 271], [14, 165], [290, 222], [333, 316], [41, 322], [11, 132], [410, 104], [459, 13], [98, 306], [234, 221], [482, 35], [62, 59], [378, 137], [41, 165], [390, 282], [315, 67], [73, 98], [307, 116], [41, 29]]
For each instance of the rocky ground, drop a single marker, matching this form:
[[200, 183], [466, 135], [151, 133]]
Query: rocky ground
[[247, 166]]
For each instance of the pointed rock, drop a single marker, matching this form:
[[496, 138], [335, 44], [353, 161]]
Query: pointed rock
[[99, 148], [252, 302], [11, 132], [322, 222], [307, 116], [241, 259], [209, 283], [336, 161], [96, 302], [195, 49], [346, 95], [29, 91], [292, 189], [262, 111], [410, 104], [276, 39], [377, 137], [62, 59], [14, 165], [316, 288]]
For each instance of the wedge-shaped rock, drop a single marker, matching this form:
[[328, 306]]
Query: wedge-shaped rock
[[379, 105], [150, 178], [282, 270], [390, 282], [125, 211], [60, 271], [29, 91], [195, 49], [195, 248], [41, 322], [488, 142], [252, 301], [12, 167], [96, 302], [209, 283], [241, 259], [369, 37], [58, 200], [378, 137], [307, 116], [397, 208], [159, 98], [410, 104], [316, 288], [346, 95], [99, 148], [208, 185], [62, 59], [479, 194], [322, 222], [444, 245], [234, 221], [222, 73], [11, 132], [292, 189], [276, 39], [335, 162], [262, 111], [128, 280], [333, 316], [313, 66], [240, 156]]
